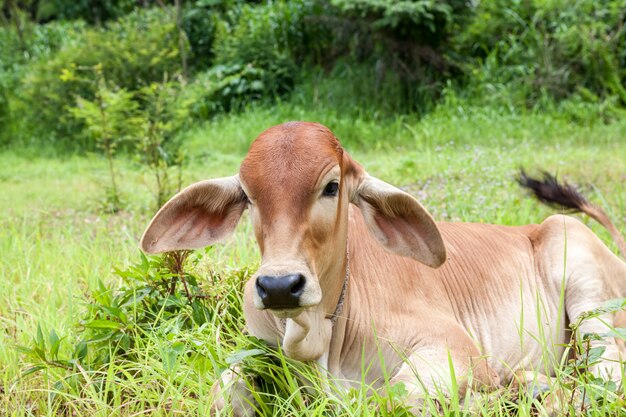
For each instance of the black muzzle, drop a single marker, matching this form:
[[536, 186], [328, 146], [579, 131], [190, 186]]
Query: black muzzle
[[280, 292]]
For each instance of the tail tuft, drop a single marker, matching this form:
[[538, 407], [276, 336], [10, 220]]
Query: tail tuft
[[549, 191], [564, 196]]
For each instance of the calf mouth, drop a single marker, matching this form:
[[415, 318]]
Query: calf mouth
[[286, 313]]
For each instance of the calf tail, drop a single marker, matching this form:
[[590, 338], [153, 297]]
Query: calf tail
[[548, 190]]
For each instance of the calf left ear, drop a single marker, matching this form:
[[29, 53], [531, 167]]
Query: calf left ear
[[198, 216], [399, 222]]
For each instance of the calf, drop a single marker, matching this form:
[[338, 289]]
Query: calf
[[355, 273]]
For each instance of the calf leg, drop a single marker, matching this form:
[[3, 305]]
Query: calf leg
[[587, 290], [427, 370], [533, 383], [552, 396], [231, 389], [593, 274]]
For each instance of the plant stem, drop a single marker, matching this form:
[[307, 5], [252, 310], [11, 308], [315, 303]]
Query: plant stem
[[107, 144], [112, 171]]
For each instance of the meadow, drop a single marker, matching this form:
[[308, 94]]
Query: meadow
[[106, 108], [60, 252]]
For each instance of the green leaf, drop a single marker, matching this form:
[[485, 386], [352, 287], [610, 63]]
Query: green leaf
[[55, 343], [595, 353], [104, 324], [398, 390], [33, 369], [614, 305], [115, 312], [178, 347], [239, 356], [24, 350], [39, 341], [619, 332], [257, 85], [40, 353]]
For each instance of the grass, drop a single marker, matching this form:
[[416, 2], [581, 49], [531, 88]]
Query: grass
[[57, 247]]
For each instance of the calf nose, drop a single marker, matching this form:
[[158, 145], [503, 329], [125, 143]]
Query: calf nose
[[280, 292]]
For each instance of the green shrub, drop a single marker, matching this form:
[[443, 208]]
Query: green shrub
[[260, 44], [109, 119], [88, 10], [147, 120], [164, 113], [199, 24], [224, 88], [557, 47], [41, 42], [132, 52], [158, 299], [424, 22], [403, 42]]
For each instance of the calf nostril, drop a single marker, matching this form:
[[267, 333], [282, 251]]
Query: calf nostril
[[261, 289], [298, 287]]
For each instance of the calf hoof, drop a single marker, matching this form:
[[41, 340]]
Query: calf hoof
[[551, 398], [232, 391]]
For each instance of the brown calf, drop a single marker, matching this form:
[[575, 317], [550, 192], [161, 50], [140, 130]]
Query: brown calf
[[353, 268]]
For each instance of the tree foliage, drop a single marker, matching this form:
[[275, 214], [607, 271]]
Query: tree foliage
[[399, 55]]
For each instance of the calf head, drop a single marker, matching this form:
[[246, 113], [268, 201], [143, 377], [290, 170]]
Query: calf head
[[297, 183]]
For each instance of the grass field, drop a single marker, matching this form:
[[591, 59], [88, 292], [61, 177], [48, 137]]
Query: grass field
[[56, 247]]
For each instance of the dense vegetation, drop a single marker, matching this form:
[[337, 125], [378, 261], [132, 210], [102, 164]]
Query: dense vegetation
[[398, 56], [107, 108]]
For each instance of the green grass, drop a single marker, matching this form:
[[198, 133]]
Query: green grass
[[57, 246]]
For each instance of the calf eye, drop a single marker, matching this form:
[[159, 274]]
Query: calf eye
[[331, 189], [246, 199]]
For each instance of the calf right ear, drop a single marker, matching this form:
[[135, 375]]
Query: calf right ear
[[198, 216], [399, 223]]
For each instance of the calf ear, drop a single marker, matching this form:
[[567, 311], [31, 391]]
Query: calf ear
[[198, 216], [399, 222]]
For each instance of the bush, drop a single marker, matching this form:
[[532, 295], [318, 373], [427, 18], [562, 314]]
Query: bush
[[41, 42], [109, 120], [559, 48], [132, 52], [428, 23], [403, 42], [199, 24], [158, 301], [224, 88], [90, 11], [164, 112], [261, 45]]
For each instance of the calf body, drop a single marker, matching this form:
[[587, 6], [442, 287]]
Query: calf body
[[356, 275]]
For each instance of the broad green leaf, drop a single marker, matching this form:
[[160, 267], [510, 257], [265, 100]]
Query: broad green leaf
[[55, 343], [239, 356], [104, 324]]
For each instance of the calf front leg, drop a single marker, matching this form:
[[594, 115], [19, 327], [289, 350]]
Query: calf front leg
[[232, 389], [426, 372]]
